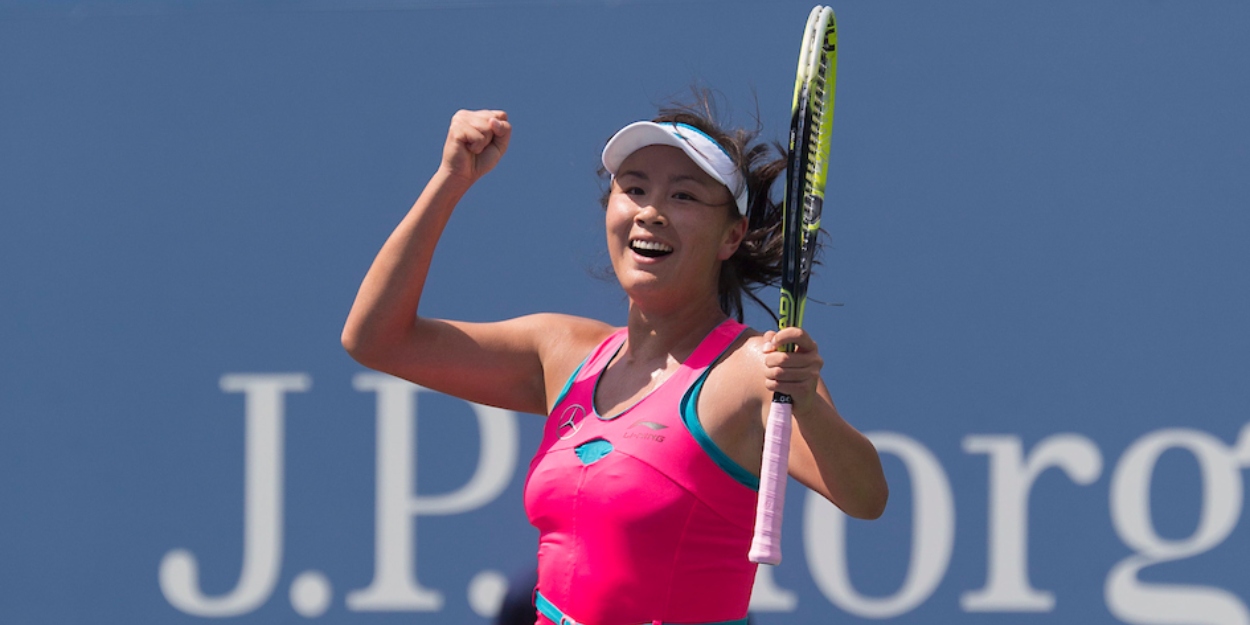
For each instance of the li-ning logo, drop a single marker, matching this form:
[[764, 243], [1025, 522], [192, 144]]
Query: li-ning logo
[[571, 421], [650, 425]]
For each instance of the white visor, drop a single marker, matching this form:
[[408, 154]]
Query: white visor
[[702, 149]]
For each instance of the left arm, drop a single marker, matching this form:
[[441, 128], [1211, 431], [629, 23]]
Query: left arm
[[827, 454]]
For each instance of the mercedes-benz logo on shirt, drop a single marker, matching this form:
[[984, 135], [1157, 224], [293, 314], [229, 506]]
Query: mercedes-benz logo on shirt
[[570, 421]]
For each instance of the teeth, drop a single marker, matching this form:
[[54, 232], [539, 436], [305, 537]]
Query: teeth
[[652, 246]]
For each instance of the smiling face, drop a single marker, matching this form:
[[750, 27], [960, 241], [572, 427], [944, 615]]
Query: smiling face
[[669, 227]]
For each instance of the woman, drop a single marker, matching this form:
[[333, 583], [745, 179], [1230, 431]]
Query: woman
[[643, 487]]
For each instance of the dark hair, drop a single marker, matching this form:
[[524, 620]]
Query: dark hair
[[758, 260]]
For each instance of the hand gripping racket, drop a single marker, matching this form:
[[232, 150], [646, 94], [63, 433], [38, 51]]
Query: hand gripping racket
[[811, 123]]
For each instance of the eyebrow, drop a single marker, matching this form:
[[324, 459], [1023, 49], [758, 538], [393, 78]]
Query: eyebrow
[[632, 172], [677, 178]]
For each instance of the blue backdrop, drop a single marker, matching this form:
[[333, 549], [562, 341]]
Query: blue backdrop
[[1038, 223]]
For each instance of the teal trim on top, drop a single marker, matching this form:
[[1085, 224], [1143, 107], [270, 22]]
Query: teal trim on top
[[569, 384], [690, 416], [595, 391], [545, 607]]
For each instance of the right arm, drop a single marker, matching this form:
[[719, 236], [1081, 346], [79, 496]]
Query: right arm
[[510, 364]]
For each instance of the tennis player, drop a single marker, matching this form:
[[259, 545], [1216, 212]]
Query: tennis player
[[644, 486]]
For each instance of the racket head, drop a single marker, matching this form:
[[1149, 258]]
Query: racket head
[[811, 126]]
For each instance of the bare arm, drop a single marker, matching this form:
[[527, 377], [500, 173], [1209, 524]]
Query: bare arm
[[507, 363], [827, 454]]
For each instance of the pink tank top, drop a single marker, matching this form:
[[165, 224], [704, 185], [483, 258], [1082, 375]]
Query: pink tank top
[[639, 521]]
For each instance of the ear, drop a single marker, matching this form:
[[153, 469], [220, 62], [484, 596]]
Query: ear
[[733, 238]]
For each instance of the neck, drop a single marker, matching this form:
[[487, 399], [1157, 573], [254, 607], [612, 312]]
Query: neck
[[670, 334]]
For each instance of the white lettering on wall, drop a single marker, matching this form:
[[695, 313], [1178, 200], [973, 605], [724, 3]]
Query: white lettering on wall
[[1012, 474], [933, 535], [767, 596], [1134, 601], [262, 505], [1007, 588], [395, 586]]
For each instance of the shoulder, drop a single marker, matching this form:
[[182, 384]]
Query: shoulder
[[738, 375], [747, 351], [734, 399], [558, 335], [562, 342]]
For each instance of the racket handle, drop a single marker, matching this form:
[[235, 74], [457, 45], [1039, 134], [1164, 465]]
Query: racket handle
[[766, 545]]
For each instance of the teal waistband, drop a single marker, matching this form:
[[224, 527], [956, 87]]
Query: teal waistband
[[549, 610]]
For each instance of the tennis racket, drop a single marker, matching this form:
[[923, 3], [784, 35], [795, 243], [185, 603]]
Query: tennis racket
[[811, 123]]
